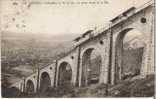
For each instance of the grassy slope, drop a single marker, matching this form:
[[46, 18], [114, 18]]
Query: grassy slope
[[129, 88], [142, 87]]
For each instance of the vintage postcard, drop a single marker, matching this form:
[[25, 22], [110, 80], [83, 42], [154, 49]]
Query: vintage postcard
[[77, 48]]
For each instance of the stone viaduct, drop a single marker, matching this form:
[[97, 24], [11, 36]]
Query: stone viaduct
[[127, 41]]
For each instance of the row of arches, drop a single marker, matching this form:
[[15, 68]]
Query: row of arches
[[45, 83], [129, 51]]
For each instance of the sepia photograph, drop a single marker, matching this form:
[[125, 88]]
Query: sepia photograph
[[77, 48]]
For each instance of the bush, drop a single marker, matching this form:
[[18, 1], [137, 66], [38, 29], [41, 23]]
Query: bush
[[143, 87]]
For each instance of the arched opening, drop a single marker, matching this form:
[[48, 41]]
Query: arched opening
[[30, 87], [129, 52], [15, 91], [45, 82], [65, 74], [91, 65]]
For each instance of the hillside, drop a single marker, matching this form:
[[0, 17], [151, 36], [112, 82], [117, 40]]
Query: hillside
[[22, 53]]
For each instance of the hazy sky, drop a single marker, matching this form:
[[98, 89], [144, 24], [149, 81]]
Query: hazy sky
[[36, 16]]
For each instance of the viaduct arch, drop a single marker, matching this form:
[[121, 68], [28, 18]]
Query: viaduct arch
[[64, 74], [91, 65], [30, 84], [130, 48], [45, 81], [46, 77], [30, 87]]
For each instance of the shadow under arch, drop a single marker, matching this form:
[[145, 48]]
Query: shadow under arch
[[91, 66], [45, 82], [129, 50], [65, 74], [30, 89]]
